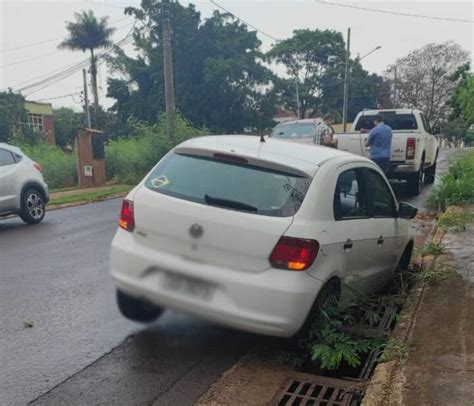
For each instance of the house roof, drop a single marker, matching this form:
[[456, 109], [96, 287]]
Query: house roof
[[44, 109]]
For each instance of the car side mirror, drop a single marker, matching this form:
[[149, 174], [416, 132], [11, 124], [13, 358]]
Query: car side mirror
[[407, 211], [436, 131]]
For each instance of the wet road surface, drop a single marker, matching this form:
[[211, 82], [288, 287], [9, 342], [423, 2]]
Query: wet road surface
[[55, 276]]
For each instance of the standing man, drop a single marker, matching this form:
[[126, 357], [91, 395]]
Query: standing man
[[380, 143], [324, 132]]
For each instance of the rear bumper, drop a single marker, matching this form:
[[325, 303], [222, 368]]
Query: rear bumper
[[272, 302], [402, 168]]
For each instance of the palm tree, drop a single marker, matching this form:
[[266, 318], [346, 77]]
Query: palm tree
[[87, 33]]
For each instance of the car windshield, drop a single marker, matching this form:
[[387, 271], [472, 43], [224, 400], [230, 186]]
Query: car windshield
[[229, 184], [294, 130], [395, 121]]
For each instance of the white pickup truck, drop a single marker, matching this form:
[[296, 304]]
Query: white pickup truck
[[414, 145]]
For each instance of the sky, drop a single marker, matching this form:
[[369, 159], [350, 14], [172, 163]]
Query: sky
[[27, 22]]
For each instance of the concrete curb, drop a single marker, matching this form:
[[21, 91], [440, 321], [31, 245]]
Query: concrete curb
[[386, 383], [83, 202]]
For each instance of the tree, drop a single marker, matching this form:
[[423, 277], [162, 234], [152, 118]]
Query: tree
[[87, 33], [67, 124], [465, 99], [12, 112], [424, 79], [306, 58], [216, 67]]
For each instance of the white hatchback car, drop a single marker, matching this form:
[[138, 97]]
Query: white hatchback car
[[248, 233], [23, 190]]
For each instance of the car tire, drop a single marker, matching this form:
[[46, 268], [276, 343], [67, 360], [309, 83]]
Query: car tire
[[33, 206], [430, 174], [137, 309], [328, 295], [415, 181], [405, 259]]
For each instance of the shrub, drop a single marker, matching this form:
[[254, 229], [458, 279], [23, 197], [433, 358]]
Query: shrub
[[59, 168], [456, 186], [127, 160]]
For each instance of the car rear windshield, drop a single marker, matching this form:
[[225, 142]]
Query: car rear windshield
[[296, 130], [395, 121], [228, 184]]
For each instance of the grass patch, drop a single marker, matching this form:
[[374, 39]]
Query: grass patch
[[89, 196], [433, 249], [456, 185], [455, 219], [395, 349], [436, 275]]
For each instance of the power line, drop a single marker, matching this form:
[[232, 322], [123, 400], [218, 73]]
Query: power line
[[56, 97], [245, 22], [28, 60], [397, 13], [52, 40], [56, 76]]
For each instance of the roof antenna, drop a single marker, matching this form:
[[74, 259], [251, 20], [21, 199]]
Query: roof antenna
[[262, 138]]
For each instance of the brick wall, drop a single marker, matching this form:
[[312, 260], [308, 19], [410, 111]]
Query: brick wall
[[48, 130]]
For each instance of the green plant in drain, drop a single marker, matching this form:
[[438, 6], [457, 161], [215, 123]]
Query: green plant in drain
[[435, 274]]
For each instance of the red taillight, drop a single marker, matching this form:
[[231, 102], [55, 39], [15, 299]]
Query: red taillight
[[127, 219], [411, 147], [37, 166], [294, 253]]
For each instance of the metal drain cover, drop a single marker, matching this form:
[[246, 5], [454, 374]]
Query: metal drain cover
[[320, 391]]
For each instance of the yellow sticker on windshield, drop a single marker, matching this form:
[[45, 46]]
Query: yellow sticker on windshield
[[160, 181]]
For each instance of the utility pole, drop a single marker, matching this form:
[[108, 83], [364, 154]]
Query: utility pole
[[297, 100], [86, 99], [168, 67], [346, 82], [395, 86]]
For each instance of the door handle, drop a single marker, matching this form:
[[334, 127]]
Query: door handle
[[348, 244], [380, 240]]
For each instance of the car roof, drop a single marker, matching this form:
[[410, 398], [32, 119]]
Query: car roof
[[306, 158], [10, 147], [302, 121]]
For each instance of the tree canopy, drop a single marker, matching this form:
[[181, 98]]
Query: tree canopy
[[218, 74], [425, 79]]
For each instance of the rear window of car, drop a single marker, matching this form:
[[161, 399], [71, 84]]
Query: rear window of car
[[230, 185], [395, 121], [296, 130]]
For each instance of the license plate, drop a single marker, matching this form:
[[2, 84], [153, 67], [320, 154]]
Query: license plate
[[187, 286]]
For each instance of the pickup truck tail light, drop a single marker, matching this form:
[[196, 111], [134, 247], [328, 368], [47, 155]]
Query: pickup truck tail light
[[127, 217], [37, 166], [411, 148], [294, 254]]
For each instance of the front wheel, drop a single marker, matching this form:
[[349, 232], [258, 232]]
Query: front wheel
[[33, 206], [136, 309]]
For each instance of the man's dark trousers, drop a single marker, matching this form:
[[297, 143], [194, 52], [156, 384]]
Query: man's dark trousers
[[383, 163]]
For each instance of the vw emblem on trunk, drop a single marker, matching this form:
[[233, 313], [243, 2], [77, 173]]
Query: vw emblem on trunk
[[196, 230]]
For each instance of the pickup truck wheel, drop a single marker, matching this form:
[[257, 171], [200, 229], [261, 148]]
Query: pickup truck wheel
[[136, 309], [430, 174], [415, 182]]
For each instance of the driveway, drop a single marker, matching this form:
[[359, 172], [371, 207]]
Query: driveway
[[62, 341]]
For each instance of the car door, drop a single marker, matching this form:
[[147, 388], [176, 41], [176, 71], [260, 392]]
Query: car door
[[387, 242], [7, 182], [351, 232]]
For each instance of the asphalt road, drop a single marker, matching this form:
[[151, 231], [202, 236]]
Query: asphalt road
[[62, 341]]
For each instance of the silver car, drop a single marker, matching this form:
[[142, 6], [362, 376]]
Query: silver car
[[23, 190]]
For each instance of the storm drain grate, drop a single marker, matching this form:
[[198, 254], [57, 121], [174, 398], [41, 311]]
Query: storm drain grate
[[318, 393]]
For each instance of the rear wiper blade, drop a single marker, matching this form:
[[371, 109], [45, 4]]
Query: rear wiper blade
[[233, 204]]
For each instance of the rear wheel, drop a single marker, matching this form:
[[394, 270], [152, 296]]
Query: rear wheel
[[328, 296], [137, 309], [431, 173], [415, 181], [33, 206]]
